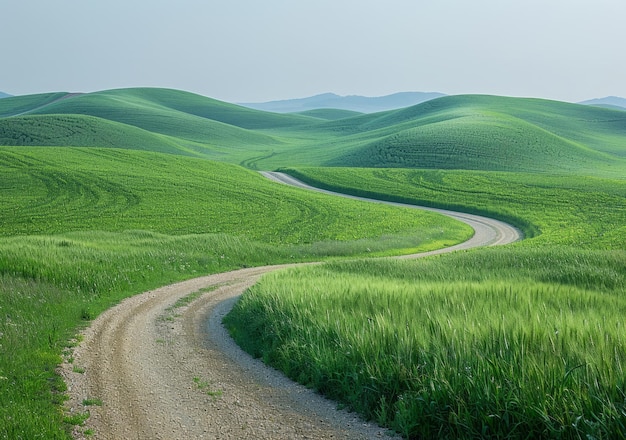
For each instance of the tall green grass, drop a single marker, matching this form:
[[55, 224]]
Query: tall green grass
[[52, 285], [507, 343], [521, 342]]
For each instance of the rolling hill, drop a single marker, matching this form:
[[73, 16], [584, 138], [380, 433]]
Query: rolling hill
[[488, 133], [4, 95], [149, 107], [188, 123], [84, 131], [476, 132]]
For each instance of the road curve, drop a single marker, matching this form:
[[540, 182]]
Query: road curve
[[488, 231], [163, 370]]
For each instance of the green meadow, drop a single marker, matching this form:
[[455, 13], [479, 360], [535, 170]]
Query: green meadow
[[108, 194], [525, 341], [570, 209], [82, 228], [506, 343]]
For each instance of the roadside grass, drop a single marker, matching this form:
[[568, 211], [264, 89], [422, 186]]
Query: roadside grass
[[518, 342], [495, 343], [578, 210], [51, 286]]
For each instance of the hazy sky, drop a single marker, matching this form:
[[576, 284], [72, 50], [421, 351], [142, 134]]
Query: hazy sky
[[260, 50]]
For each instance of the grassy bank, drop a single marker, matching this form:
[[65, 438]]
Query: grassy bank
[[564, 210], [498, 343], [518, 342]]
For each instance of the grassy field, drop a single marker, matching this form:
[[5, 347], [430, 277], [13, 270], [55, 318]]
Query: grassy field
[[521, 342], [498, 343], [57, 190], [579, 210], [81, 228], [107, 194]]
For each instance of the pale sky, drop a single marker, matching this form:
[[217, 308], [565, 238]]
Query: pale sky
[[262, 50]]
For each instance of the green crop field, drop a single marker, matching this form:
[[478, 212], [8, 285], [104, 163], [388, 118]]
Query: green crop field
[[108, 194]]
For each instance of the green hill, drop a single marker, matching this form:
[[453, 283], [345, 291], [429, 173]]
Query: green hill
[[18, 105], [473, 132], [51, 190], [196, 125], [147, 107], [83, 131], [488, 133]]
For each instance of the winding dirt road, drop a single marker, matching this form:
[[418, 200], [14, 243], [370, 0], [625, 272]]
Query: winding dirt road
[[155, 367]]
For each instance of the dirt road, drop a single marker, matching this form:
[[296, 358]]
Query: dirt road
[[155, 367]]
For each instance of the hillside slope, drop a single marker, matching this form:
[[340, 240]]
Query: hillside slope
[[85, 131], [136, 106], [486, 132], [19, 105], [197, 124], [454, 132]]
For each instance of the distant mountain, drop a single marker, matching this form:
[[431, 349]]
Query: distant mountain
[[609, 101], [361, 104], [4, 95]]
